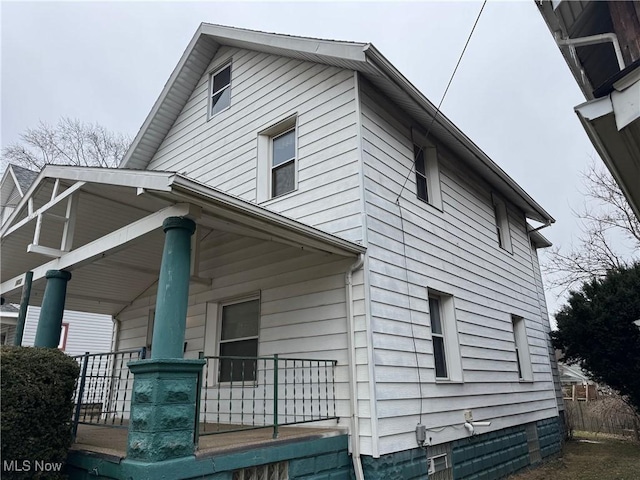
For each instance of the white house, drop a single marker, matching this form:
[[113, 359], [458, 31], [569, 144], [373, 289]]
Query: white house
[[337, 220]]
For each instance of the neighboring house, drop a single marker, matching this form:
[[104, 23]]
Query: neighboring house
[[15, 182], [81, 332], [576, 385], [8, 320], [600, 41], [335, 221]]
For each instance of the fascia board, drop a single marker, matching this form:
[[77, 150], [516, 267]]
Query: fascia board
[[158, 103], [597, 109], [256, 40], [262, 216]]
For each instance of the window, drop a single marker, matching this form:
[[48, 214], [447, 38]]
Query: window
[[502, 224], [438, 338], [283, 163], [220, 90], [239, 338], [523, 359], [277, 160], [427, 175], [444, 336], [421, 173], [437, 463]]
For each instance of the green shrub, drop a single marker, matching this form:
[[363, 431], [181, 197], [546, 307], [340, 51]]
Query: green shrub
[[36, 391]]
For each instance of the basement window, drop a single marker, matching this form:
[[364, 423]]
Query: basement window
[[271, 471]]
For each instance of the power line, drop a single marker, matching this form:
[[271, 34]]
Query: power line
[[404, 244], [444, 94]]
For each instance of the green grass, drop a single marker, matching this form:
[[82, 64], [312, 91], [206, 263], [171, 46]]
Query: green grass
[[611, 459]]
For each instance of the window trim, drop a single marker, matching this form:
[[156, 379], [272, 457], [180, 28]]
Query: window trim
[[521, 346], [264, 181], [431, 174], [501, 219], [211, 93], [273, 168], [219, 340], [450, 337]]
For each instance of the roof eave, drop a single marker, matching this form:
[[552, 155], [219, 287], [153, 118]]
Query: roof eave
[[537, 212]]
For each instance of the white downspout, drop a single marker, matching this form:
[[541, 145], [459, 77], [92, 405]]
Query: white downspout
[[353, 384]]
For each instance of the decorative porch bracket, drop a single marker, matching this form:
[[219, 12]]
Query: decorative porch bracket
[[110, 243]]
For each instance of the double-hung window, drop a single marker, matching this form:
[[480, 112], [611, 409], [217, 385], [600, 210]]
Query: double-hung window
[[239, 341], [277, 159], [502, 224], [220, 90], [283, 163], [523, 358], [444, 337], [421, 174], [437, 334], [427, 175]]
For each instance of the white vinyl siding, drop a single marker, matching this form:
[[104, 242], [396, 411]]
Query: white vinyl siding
[[450, 250], [265, 90], [87, 332], [302, 303]]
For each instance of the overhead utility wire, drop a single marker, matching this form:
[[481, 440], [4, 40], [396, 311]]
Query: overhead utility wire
[[433, 119], [404, 244]]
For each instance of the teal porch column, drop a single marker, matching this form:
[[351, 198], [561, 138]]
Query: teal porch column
[[50, 321], [173, 289], [164, 400]]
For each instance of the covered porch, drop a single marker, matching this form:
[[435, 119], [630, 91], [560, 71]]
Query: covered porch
[[258, 327]]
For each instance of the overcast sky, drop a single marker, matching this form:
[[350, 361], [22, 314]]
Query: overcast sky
[[513, 94]]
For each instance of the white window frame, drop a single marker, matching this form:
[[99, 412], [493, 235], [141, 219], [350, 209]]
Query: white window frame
[[432, 463], [431, 174], [264, 187], [219, 340], [212, 93], [521, 345], [503, 234], [449, 335]]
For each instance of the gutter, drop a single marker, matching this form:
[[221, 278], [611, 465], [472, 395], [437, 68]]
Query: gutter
[[353, 384]]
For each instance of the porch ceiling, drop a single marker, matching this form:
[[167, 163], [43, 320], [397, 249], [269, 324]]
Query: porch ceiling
[[115, 218]]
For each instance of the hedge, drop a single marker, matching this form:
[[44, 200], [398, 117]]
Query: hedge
[[37, 386]]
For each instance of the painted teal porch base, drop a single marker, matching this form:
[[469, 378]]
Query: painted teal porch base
[[550, 433], [314, 459], [163, 409], [497, 454], [405, 465]]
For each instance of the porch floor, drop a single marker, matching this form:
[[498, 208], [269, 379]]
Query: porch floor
[[111, 443]]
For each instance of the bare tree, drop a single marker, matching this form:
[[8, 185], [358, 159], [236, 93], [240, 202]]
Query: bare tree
[[606, 221], [70, 142]]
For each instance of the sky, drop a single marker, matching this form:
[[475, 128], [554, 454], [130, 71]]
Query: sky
[[513, 94]]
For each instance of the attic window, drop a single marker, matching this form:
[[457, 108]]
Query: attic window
[[220, 90]]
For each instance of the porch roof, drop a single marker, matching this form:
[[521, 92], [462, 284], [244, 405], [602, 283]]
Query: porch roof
[[104, 225]]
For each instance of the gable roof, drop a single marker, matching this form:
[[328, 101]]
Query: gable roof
[[24, 177], [360, 57]]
